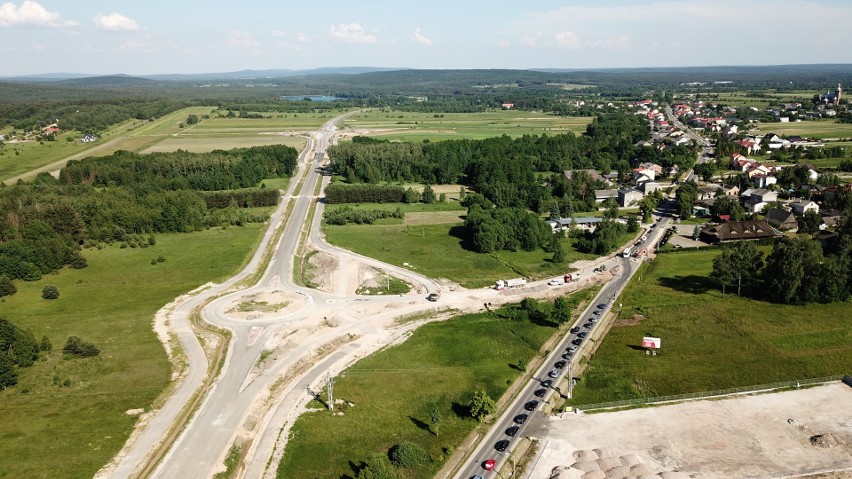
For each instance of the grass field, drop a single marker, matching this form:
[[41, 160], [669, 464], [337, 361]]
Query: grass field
[[453, 357], [436, 250], [711, 341], [52, 431], [202, 144], [809, 129], [408, 126]]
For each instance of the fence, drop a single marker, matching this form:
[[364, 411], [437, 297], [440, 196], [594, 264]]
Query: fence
[[708, 394]]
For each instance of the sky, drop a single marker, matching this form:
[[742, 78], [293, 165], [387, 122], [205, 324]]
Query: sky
[[158, 36]]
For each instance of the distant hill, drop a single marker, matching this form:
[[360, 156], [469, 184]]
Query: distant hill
[[110, 81], [266, 74]]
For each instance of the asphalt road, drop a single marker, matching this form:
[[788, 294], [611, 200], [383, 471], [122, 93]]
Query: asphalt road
[[485, 449]]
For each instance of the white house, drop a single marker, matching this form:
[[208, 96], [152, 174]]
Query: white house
[[629, 197], [801, 207]]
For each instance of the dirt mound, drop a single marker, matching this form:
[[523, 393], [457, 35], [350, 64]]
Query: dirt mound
[[320, 270], [595, 475], [610, 463], [619, 472], [824, 440], [585, 456], [605, 453], [631, 321], [586, 466], [674, 475]]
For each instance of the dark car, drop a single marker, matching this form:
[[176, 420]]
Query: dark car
[[593, 319], [588, 325], [577, 342], [559, 364], [502, 445], [539, 392], [531, 405], [582, 335], [567, 355], [597, 312], [512, 431], [546, 383], [571, 349], [520, 418], [575, 329], [602, 306]]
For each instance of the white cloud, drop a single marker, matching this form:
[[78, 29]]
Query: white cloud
[[116, 22], [301, 38], [242, 41], [567, 39], [351, 33], [32, 14], [528, 40], [613, 42], [421, 39], [279, 33], [502, 43]]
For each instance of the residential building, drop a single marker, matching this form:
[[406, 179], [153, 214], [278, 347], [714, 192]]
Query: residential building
[[801, 207], [739, 231], [603, 195], [782, 219], [629, 197]]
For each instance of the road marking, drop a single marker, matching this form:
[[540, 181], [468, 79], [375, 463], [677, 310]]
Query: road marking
[[254, 332]]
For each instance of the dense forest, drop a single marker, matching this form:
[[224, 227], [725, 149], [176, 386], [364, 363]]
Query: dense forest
[[503, 169], [126, 197]]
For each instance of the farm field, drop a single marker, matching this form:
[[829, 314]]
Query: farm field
[[437, 251], [57, 431], [809, 129], [203, 144], [408, 126], [710, 341], [454, 357]]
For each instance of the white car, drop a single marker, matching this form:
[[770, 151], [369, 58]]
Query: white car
[[555, 282]]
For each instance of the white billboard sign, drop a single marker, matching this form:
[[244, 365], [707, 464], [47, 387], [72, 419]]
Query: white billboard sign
[[649, 342]]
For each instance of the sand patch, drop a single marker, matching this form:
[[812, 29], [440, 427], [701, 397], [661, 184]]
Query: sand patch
[[265, 304]]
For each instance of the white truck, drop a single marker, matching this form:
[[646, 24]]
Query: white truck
[[626, 253], [510, 283]]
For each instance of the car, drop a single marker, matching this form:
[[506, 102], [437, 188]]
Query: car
[[567, 355], [433, 297], [582, 334], [520, 418], [575, 329], [553, 373], [501, 445], [576, 342], [571, 349], [546, 383], [602, 306], [531, 405], [588, 325], [539, 392], [512, 431], [593, 320], [489, 464], [476, 477], [555, 282], [597, 312]]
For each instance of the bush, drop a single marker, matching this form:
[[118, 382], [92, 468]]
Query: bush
[[408, 454], [7, 288], [49, 292], [75, 346]]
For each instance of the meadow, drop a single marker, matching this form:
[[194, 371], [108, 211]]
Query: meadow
[[710, 341], [409, 126], [66, 418], [809, 129], [454, 357]]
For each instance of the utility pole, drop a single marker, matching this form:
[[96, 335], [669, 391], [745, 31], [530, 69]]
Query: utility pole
[[329, 386], [570, 380]]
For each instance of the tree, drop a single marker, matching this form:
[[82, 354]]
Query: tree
[[611, 211], [408, 454], [809, 222], [376, 466], [522, 364], [728, 205], [561, 311], [410, 196], [7, 287], [442, 198], [741, 261], [75, 346], [49, 292], [480, 405], [192, 119], [632, 224], [428, 195], [436, 419], [705, 170], [696, 233], [8, 374], [793, 269], [45, 344]]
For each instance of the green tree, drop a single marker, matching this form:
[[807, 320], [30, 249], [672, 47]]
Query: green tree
[[428, 195], [192, 119], [728, 205], [738, 262], [377, 466], [436, 418], [8, 373], [522, 364], [611, 209], [696, 233], [632, 224], [561, 311], [442, 198], [410, 196], [49, 291], [7, 287], [480, 405], [408, 454], [792, 271], [45, 344], [75, 346], [809, 222]]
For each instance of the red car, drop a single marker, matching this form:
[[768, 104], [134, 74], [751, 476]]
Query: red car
[[489, 464]]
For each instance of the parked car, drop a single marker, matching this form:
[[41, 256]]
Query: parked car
[[577, 342], [546, 383], [553, 373], [501, 445], [571, 349], [531, 405], [559, 364], [593, 319], [588, 325], [512, 431], [602, 306], [555, 282], [520, 418], [597, 312], [433, 296], [489, 464], [476, 477], [575, 329], [539, 392], [582, 334], [567, 355]]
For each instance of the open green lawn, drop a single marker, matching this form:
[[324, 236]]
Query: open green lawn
[[409, 126], [70, 432], [809, 129], [392, 402], [711, 341], [437, 251]]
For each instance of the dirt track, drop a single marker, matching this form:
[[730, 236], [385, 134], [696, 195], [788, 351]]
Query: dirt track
[[760, 436]]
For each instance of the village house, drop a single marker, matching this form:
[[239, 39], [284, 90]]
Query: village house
[[782, 220], [588, 223], [629, 197], [603, 195], [738, 231], [799, 208], [593, 174]]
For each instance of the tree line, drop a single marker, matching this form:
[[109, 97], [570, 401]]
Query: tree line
[[346, 214]]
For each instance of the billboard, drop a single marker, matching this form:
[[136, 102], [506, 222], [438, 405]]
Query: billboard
[[649, 342]]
